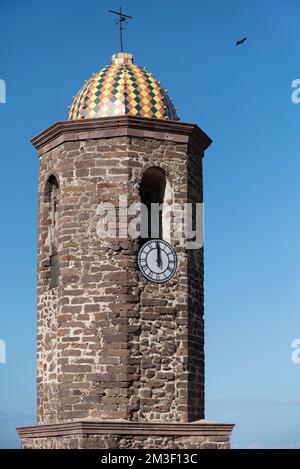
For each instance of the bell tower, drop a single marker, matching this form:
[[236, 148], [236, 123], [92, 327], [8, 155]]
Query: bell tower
[[120, 281]]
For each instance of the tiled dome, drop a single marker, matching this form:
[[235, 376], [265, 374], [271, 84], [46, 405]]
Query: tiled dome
[[122, 88]]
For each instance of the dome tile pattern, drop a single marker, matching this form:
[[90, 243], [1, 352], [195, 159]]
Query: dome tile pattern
[[122, 88]]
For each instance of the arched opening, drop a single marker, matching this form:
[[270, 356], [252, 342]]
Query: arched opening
[[152, 192], [52, 192]]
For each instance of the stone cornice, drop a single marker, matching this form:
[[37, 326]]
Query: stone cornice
[[110, 427], [129, 126]]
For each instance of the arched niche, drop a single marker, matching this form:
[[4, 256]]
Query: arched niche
[[52, 200], [155, 193]]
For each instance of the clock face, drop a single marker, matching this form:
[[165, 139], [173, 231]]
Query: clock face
[[157, 260]]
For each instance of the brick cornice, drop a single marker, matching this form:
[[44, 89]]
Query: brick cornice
[[129, 126], [110, 427]]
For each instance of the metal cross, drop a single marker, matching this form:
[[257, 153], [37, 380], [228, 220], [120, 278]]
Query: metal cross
[[120, 22]]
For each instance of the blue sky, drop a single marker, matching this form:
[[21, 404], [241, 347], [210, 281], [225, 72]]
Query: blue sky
[[241, 96]]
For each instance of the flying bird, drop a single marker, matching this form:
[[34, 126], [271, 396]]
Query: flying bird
[[241, 41]]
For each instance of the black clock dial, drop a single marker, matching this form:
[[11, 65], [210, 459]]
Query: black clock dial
[[157, 260]]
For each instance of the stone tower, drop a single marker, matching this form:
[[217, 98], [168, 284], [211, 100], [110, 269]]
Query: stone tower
[[120, 357]]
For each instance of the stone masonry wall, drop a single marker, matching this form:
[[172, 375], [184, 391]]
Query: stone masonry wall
[[110, 344], [127, 442]]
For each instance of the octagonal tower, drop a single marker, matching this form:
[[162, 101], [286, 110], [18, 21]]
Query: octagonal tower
[[120, 357]]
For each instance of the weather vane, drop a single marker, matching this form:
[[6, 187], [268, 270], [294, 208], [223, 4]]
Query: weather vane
[[120, 22]]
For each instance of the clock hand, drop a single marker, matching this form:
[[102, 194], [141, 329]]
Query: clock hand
[[158, 260]]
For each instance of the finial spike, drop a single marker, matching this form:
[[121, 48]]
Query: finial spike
[[120, 22]]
